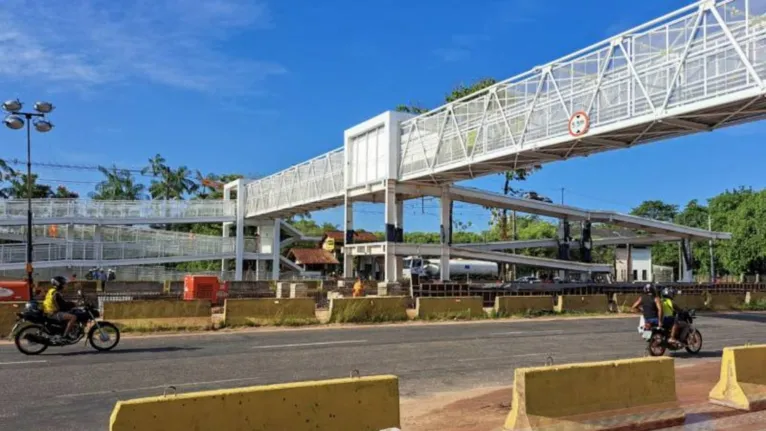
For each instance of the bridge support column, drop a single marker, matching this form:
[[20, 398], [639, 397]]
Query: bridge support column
[[98, 252], [239, 241], [586, 243], [69, 244], [445, 233], [687, 262], [391, 272], [348, 235], [276, 249], [399, 235], [564, 237]]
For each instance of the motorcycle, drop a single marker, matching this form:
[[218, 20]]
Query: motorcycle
[[657, 338], [34, 327]]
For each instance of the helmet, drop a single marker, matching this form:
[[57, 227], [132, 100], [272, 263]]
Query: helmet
[[59, 282], [649, 289], [668, 292]]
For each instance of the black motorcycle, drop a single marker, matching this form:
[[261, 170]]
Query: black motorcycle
[[34, 332], [689, 335]]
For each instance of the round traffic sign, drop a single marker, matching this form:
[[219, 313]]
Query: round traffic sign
[[579, 123]]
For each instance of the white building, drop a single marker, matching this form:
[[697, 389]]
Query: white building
[[640, 266]]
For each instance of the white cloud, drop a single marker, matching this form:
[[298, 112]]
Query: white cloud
[[178, 43]]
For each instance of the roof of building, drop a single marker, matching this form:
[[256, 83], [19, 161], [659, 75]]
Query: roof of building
[[313, 256], [359, 237]]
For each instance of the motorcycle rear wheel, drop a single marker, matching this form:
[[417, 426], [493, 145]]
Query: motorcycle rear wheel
[[694, 342], [112, 335], [656, 346], [21, 336]]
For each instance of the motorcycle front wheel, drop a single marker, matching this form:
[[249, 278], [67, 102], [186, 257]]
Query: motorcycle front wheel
[[30, 334], [104, 337], [694, 342], [656, 346]]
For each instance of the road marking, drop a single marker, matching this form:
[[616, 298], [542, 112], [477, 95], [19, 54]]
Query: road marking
[[551, 332], [323, 343], [22, 362]]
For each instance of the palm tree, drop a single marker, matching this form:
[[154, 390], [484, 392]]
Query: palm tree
[[17, 188], [119, 184], [6, 173]]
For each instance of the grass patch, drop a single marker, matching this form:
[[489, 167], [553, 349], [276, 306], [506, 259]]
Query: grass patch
[[759, 305], [365, 311], [280, 321], [149, 327]]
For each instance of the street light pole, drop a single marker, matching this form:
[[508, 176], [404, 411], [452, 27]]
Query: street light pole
[[15, 121]]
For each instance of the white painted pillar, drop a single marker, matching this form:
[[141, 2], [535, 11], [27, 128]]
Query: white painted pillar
[[389, 271], [445, 233], [348, 235], [239, 242], [399, 231], [276, 248]]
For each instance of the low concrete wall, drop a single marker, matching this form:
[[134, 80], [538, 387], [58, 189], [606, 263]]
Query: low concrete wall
[[583, 303], [690, 301], [755, 297], [267, 311], [368, 309], [159, 313], [448, 307], [119, 286], [742, 384], [553, 397], [8, 312], [726, 301], [365, 403], [507, 305]]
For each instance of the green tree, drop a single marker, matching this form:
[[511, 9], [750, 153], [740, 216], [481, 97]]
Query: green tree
[[6, 173], [118, 184], [17, 188], [64, 193]]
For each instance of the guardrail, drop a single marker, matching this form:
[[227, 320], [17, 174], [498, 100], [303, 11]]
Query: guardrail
[[92, 209]]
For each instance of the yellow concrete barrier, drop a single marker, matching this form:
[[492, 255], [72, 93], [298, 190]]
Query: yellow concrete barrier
[[450, 307], [368, 309], [726, 301], [755, 297], [159, 313], [8, 316], [742, 384], [596, 396], [692, 301], [583, 303], [264, 311], [507, 305], [366, 403]]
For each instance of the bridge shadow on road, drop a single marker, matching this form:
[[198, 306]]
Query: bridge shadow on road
[[683, 354], [746, 317], [117, 350]]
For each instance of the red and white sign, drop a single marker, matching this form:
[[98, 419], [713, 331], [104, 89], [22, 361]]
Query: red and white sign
[[579, 123]]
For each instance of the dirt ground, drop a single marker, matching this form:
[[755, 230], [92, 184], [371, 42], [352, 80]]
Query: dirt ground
[[485, 409]]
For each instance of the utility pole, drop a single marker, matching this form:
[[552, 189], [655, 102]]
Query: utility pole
[[710, 247]]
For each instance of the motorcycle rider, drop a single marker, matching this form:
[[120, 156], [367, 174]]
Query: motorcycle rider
[[670, 310], [55, 307], [649, 305]]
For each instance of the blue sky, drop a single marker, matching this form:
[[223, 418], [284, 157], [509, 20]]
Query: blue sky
[[252, 87]]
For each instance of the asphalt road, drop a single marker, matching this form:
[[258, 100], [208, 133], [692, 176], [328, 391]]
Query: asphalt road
[[75, 388]]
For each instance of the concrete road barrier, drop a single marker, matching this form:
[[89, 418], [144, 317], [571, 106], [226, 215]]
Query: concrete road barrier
[[368, 309], [365, 403], [264, 311], [726, 301], [450, 307], [583, 303], [159, 313], [507, 305], [8, 312], [755, 297], [692, 301], [742, 384], [596, 395]]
